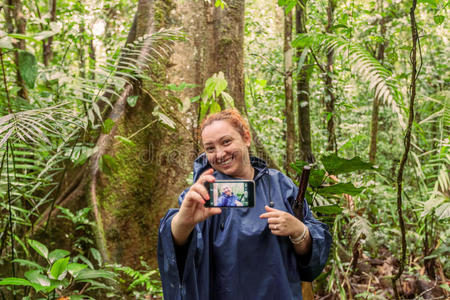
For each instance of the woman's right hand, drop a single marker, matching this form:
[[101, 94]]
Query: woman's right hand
[[193, 210]]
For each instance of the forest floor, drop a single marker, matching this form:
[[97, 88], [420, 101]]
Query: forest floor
[[372, 280]]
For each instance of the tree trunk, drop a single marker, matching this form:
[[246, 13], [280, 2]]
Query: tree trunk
[[47, 45], [226, 30], [303, 92], [288, 92], [14, 13], [304, 124], [331, 98], [225, 53], [376, 102]]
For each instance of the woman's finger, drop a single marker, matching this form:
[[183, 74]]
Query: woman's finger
[[269, 215], [213, 211], [194, 197], [273, 220]]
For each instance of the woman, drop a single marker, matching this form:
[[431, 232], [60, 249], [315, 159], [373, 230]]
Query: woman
[[262, 252], [228, 198]]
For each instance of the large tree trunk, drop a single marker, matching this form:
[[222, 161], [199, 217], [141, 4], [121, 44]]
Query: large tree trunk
[[224, 48], [131, 200], [303, 91], [288, 92]]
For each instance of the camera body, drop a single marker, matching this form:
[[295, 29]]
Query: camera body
[[231, 193]]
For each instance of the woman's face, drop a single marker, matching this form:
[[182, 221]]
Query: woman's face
[[227, 150]]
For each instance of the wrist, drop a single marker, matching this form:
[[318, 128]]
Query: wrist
[[300, 237]]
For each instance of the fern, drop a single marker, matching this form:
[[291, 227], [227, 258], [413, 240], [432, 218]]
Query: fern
[[43, 134], [370, 70]]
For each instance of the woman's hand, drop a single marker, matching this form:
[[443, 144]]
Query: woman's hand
[[282, 223], [193, 210]]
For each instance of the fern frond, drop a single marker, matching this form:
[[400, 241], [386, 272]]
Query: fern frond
[[362, 63], [360, 229]]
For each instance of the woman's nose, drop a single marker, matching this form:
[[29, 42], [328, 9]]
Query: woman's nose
[[220, 153]]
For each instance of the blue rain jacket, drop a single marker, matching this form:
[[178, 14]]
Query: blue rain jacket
[[234, 255], [225, 200]]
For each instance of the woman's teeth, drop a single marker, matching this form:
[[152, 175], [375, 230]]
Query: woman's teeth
[[226, 161]]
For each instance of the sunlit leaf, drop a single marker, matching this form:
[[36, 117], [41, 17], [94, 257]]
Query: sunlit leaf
[[59, 268], [39, 248], [132, 100], [57, 254], [336, 165], [340, 188]]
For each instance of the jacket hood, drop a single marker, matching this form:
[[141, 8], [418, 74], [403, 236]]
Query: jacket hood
[[201, 164]]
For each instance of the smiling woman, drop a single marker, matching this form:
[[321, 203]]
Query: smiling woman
[[260, 252], [226, 145]]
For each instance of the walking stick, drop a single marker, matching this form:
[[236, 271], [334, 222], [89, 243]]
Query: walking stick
[[307, 292]]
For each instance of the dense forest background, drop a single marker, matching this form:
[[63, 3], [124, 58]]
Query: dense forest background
[[99, 112]]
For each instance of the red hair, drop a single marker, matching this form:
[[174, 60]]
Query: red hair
[[230, 115]]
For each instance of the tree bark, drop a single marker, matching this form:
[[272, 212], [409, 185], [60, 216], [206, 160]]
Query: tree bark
[[226, 30], [288, 92], [15, 21], [303, 92], [47, 44], [132, 199], [331, 98]]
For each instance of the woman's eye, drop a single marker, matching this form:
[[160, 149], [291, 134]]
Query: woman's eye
[[210, 149], [227, 142]]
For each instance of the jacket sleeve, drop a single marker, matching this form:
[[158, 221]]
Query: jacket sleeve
[[311, 265], [178, 277]]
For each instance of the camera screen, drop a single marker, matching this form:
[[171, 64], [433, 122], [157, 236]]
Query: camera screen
[[231, 194]]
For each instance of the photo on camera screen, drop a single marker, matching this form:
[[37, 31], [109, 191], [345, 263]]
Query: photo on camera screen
[[231, 194]]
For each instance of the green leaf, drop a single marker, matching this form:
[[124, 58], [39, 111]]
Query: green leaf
[[15, 281], [340, 188], [108, 124], [95, 274], [132, 100], [28, 263], [229, 101], [316, 178], [98, 257], [59, 268], [215, 108], [36, 277], [165, 119], [336, 165], [209, 89], [327, 209], [28, 68], [124, 140], [57, 254], [221, 83], [75, 268], [39, 248], [439, 19]]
